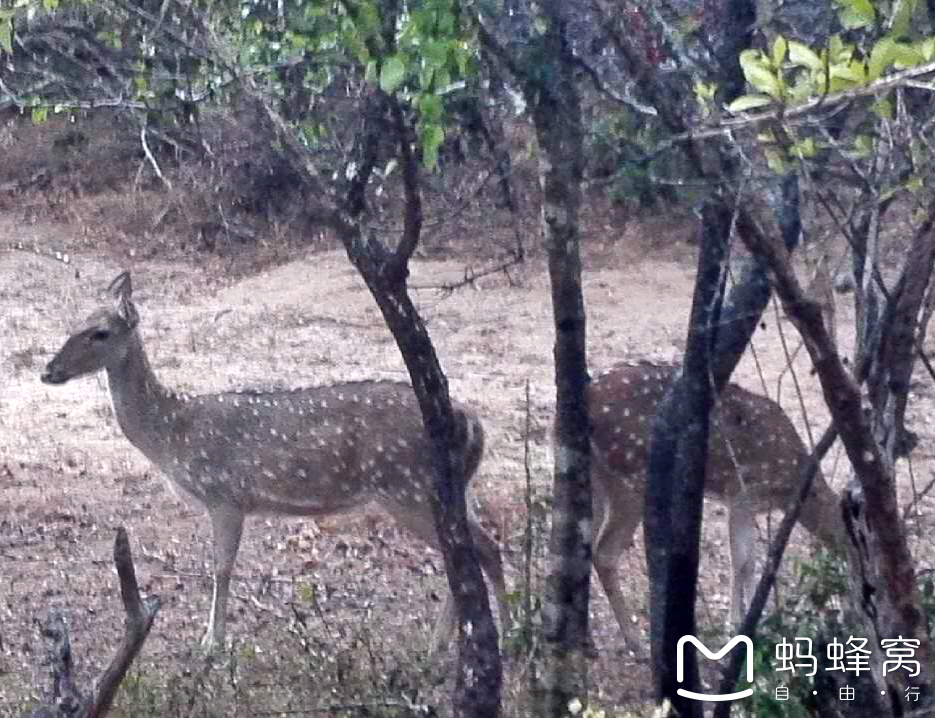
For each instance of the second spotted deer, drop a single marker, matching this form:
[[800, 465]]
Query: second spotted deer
[[755, 459]]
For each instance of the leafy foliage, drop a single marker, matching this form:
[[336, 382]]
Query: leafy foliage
[[791, 72]]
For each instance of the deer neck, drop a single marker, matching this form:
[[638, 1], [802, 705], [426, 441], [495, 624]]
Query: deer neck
[[143, 406]]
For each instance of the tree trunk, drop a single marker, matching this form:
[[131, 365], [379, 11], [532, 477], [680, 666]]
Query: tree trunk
[[676, 474], [557, 115]]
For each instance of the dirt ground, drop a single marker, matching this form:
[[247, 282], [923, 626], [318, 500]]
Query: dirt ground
[[68, 477]]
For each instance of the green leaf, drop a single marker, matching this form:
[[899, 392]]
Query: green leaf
[[863, 145], [432, 138], [775, 161], [435, 53], [392, 74], [926, 48], [805, 148], [749, 102], [780, 45], [906, 54], [880, 57], [836, 48], [39, 114], [430, 109], [758, 73], [801, 54], [888, 52], [6, 35], [847, 75], [705, 91], [856, 14], [804, 88], [902, 17]]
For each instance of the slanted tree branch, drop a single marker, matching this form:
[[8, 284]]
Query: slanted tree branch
[[901, 613]]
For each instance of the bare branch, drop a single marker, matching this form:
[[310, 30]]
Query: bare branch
[[140, 615], [397, 267], [471, 275]]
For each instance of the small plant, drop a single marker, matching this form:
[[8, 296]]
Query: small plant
[[804, 615]]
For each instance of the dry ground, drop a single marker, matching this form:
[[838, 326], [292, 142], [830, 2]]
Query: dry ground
[[336, 590]]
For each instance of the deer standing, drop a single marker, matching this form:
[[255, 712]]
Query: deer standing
[[307, 452], [755, 460]]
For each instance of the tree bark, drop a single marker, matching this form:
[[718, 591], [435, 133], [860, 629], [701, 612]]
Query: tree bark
[[676, 474], [480, 678], [556, 113]]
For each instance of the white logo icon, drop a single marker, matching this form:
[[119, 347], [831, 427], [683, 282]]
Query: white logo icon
[[680, 667]]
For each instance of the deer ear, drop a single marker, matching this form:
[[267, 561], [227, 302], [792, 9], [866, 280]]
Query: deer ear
[[121, 287], [121, 290]]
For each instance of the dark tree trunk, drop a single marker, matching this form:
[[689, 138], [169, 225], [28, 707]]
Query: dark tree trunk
[[479, 680], [677, 459]]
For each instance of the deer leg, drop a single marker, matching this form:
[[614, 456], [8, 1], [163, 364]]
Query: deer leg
[[615, 536], [488, 553], [417, 520], [421, 524], [743, 533], [227, 527]]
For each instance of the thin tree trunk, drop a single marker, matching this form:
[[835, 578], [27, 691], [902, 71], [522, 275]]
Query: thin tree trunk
[[479, 680], [557, 116]]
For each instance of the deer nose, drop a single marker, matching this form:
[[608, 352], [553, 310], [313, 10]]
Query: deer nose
[[51, 376]]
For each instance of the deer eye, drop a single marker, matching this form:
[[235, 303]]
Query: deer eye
[[100, 335]]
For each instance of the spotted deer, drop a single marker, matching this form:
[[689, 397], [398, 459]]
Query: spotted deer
[[306, 452], [755, 457]]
